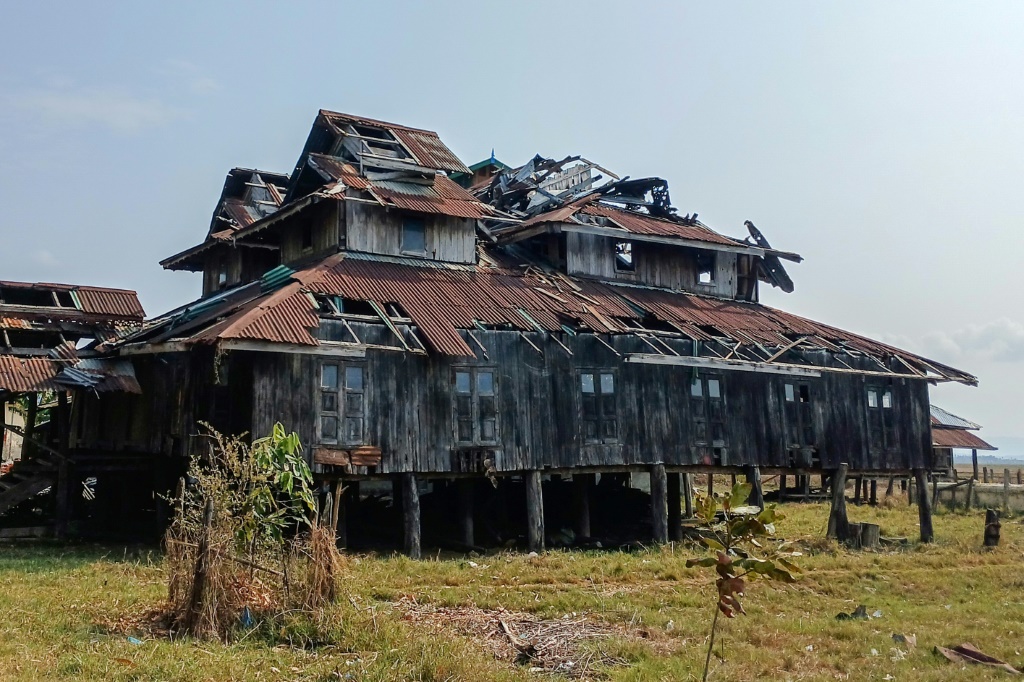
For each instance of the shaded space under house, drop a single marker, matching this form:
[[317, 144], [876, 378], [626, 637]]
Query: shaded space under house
[[507, 343]]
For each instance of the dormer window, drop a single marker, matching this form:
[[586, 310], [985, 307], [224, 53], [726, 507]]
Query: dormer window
[[624, 257], [414, 236], [706, 267], [363, 139]]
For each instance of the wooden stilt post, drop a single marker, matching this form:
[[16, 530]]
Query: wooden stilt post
[[411, 515], [581, 485], [984, 474], [753, 475], [1020, 477], [339, 520], [659, 503], [732, 481], [465, 492], [711, 485], [534, 511], [889, 488], [838, 523], [859, 483], [874, 492], [3, 429], [675, 508], [974, 463], [688, 495], [782, 487], [805, 487], [924, 505], [30, 427]]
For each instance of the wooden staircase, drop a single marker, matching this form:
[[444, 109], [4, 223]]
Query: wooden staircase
[[25, 480]]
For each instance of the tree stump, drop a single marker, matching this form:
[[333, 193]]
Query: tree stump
[[838, 523], [992, 526], [870, 535]]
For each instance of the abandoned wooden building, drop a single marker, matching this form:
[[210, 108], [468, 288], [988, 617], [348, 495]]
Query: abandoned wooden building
[[51, 377], [950, 432], [512, 349]]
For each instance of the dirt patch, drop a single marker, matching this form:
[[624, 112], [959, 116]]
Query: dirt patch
[[569, 646]]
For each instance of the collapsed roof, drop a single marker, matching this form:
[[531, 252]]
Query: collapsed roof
[[48, 333]]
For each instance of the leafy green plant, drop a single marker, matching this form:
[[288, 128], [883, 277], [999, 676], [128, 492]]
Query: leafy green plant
[[735, 536]]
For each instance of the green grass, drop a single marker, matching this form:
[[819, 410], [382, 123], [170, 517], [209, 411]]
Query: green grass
[[56, 606]]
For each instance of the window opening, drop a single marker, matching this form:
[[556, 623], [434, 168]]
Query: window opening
[[476, 409], [872, 398], [307, 237], [707, 417], [881, 422], [599, 407], [624, 257], [799, 425], [705, 267], [342, 404], [790, 394], [414, 236]]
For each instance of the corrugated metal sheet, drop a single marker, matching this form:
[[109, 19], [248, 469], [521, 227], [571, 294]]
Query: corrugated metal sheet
[[639, 223], [425, 145], [340, 171], [958, 438], [116, 303], [26, 375], [941, 417]]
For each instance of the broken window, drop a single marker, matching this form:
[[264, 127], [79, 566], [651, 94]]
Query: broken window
[[624, 257], [307, 237], [599, 408], [29, 297], [705, 267], [799, 422], [476, 409], [222, 272], [707, 413], [414, 236], [342, 404]]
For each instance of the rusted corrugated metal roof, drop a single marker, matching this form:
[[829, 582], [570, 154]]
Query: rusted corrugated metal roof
[[424, 145], [116, 303], [639, 223], [941, 417], [443, 300], [958, 438], [99, 304], [26, 375]]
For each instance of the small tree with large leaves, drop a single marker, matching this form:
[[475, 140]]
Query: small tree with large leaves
[[734, 533]]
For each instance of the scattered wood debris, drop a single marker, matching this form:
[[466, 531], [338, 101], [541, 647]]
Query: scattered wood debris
[[552, 646]]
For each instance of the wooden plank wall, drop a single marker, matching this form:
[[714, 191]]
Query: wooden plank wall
[[374, 229]]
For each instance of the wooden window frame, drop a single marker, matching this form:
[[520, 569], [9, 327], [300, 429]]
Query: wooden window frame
[[604, 414], [483, 407], [347, 407], [406, 220], [883, 414], [708, 414]]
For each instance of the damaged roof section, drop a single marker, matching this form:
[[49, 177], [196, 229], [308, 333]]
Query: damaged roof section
[[248, 196], [48, 333], [442, 300]]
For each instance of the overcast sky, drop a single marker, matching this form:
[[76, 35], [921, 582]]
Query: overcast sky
[[883, 141]]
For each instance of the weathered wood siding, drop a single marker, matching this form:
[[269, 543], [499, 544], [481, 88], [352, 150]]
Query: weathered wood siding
[[409, 408], [659, 265], [322, 222], [374, 229]]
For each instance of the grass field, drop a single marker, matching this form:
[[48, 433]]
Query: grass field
[[67, 613]]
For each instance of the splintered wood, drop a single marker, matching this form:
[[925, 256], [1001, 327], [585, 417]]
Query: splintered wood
[[569, 646]]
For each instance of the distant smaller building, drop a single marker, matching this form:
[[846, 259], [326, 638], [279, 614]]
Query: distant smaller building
[[950, 432]]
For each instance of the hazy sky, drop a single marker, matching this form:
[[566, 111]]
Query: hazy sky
[[883, 141]]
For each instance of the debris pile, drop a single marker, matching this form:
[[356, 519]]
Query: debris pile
[[546, 646]]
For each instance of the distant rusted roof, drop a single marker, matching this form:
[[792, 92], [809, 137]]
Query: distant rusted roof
[[32, 375], [958, 438], [941, 417], [98, 304], [639, 223]]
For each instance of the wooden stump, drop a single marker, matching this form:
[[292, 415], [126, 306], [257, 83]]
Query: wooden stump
[[534, 511], [837, 520], [870, 535], [467, 534], [659, 503], [992, 527], [852, 539]]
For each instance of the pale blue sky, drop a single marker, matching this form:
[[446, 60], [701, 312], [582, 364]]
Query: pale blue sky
[[883, 141]]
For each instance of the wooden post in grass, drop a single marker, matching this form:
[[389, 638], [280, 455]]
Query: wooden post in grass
[[970, 493], [992, 526], [1020, 477], [411, 516], [675, 507], [858, 484], [1006, 489], [581, 485], [889, 488], [711, 485], [805, 487], [659, 503], [974, 463], [838, 523], [984, 474], [339, 515], [756, 498], [924, 505], [534, 511], [200, 574], [688, 495], [467, 534], [873, 500], [782, 487]]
